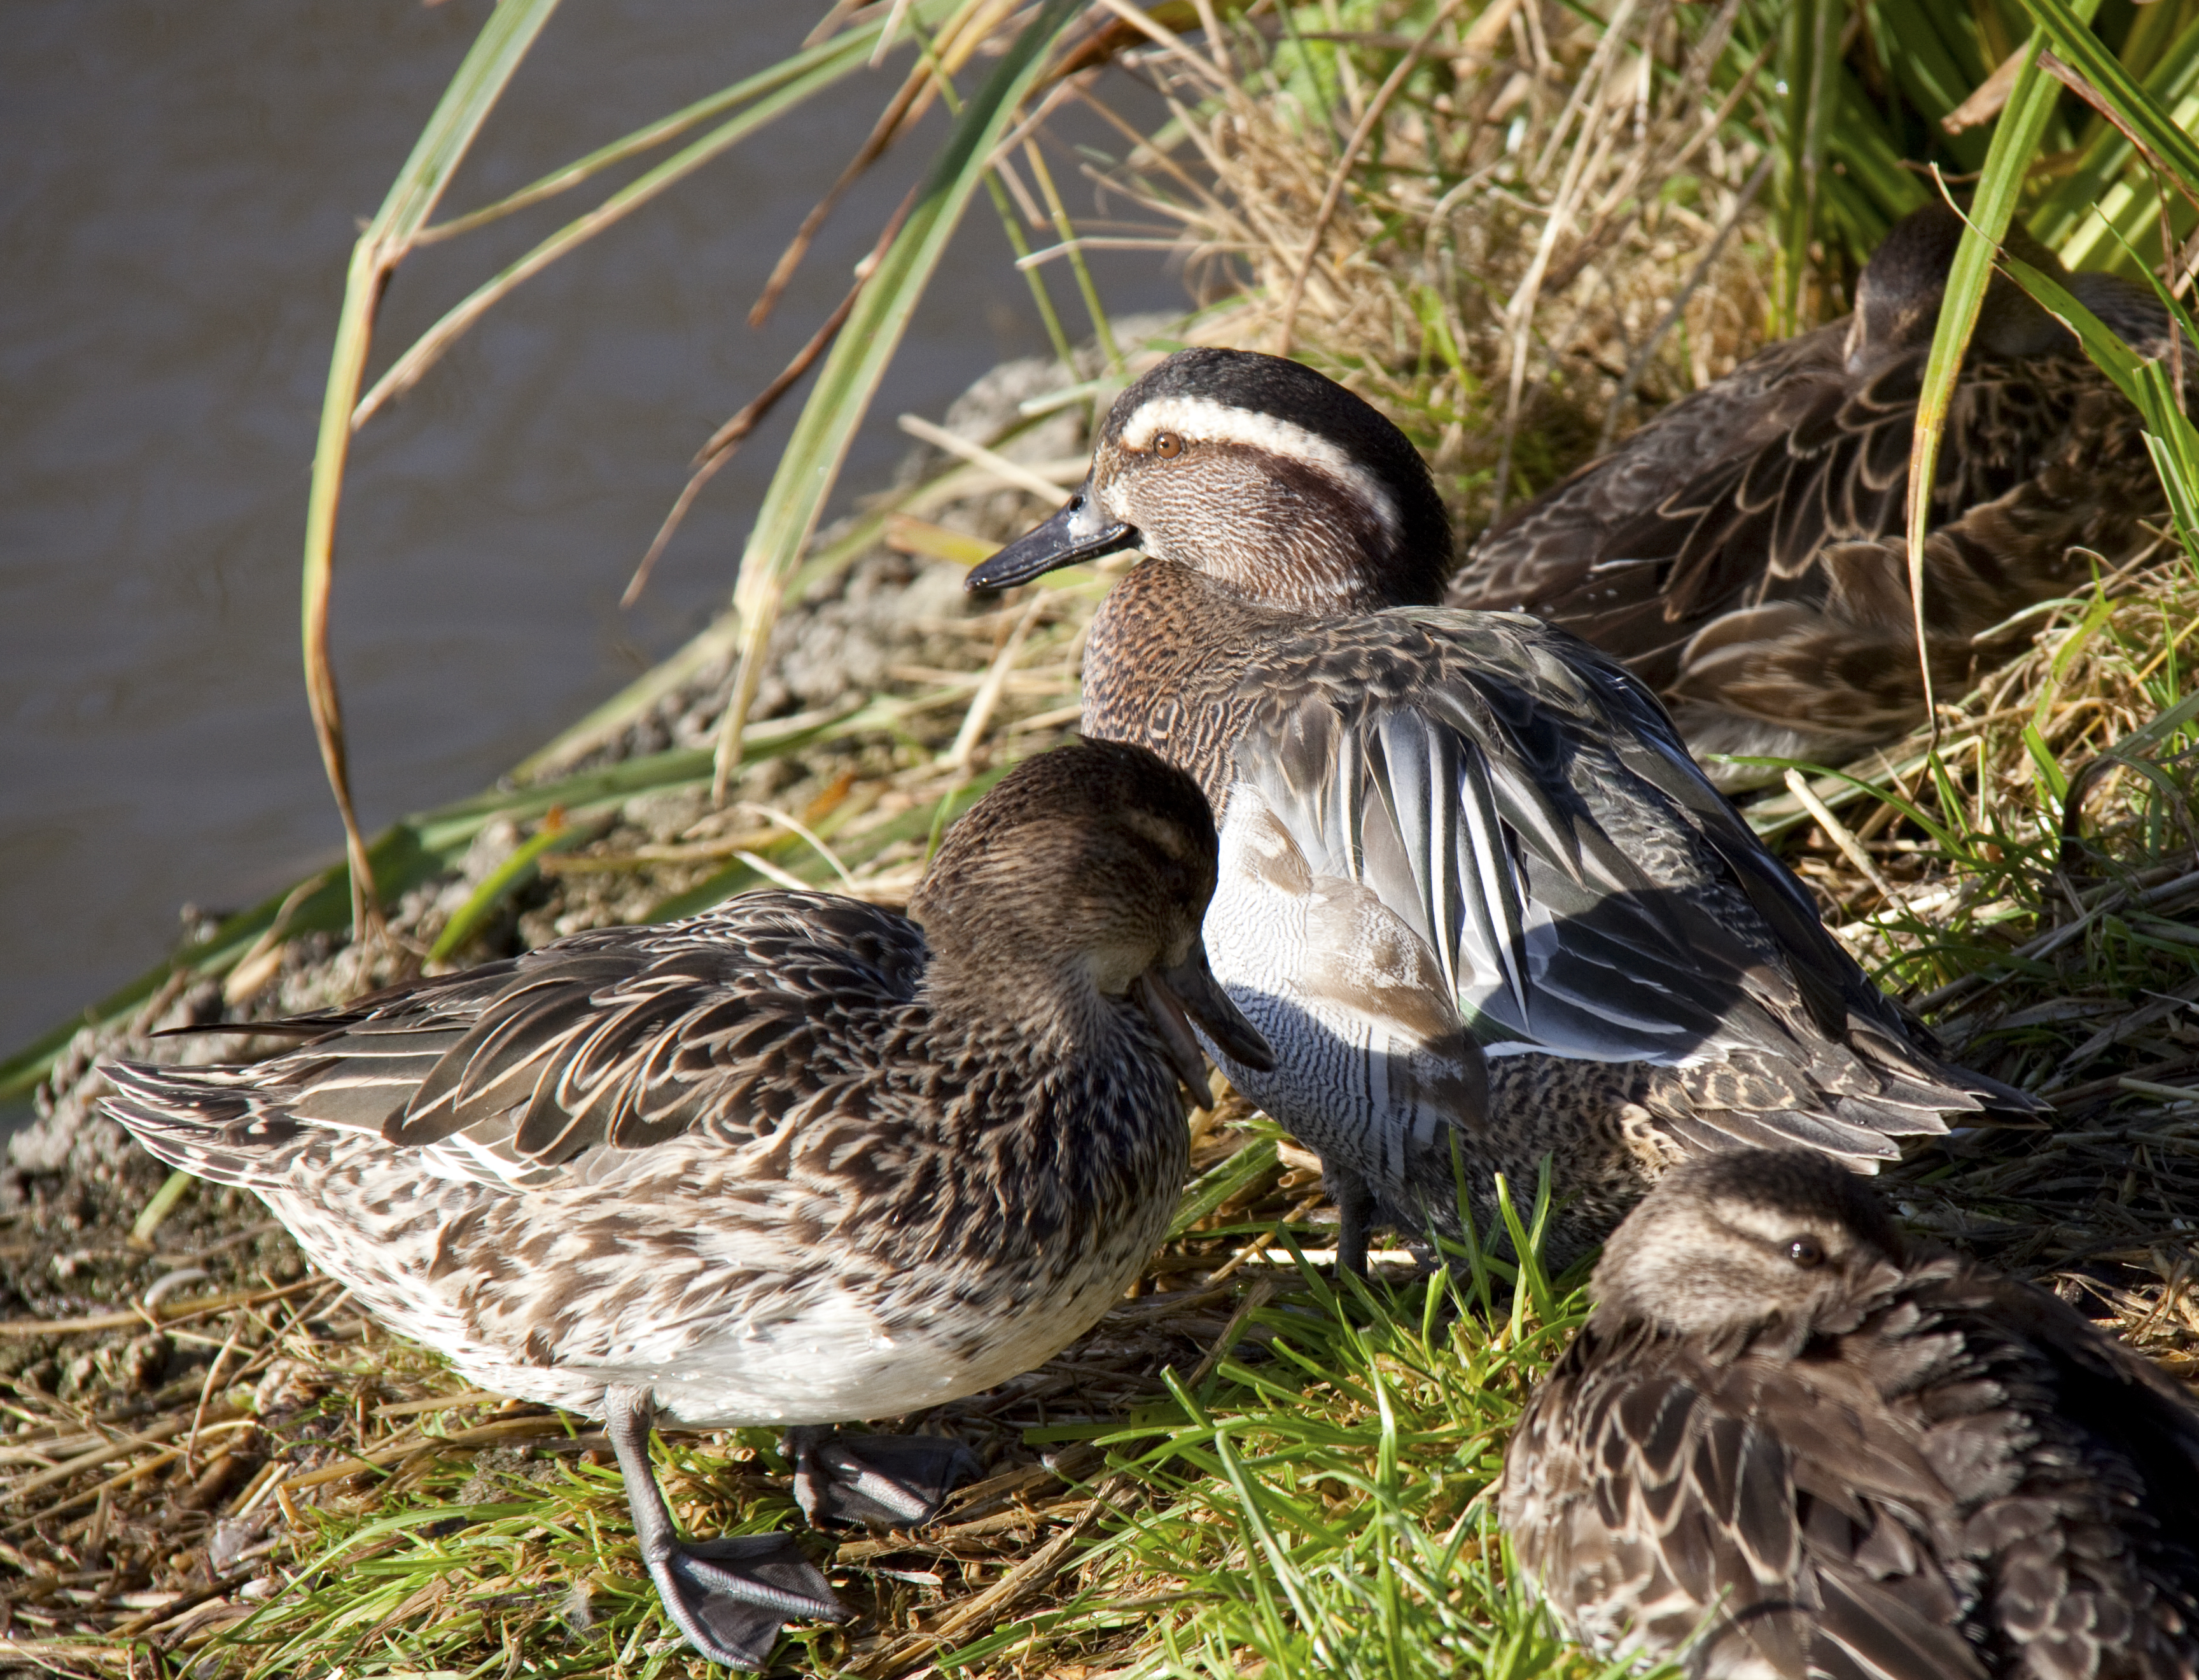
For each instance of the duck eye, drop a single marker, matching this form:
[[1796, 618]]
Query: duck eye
[[1167, 445], [1806, 1253]]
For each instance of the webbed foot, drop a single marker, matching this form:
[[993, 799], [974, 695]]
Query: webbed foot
[[731, 1596], [880, 1481]]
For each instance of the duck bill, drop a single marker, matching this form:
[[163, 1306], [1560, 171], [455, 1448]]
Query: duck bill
[[1079, 532], [1174, 998]]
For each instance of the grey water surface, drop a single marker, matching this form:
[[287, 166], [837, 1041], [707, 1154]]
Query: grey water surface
[[180, 191]]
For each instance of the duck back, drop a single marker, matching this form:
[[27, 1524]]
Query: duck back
[[1745, 551]]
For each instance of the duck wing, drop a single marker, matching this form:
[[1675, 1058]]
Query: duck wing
[[1777, 1505], [611, 1040], [1663, 486], [1745, 551], [1525, 807]]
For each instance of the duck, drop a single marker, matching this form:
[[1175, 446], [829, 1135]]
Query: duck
[[1456, 847], [1790, 1442], [796, 1161], [1746, 552]]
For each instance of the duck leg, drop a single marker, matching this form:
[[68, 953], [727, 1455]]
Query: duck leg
[[729, 1596], [880, 1481], [1355, 1209]]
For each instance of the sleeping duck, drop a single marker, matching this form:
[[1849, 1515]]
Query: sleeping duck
[[1745, 553]]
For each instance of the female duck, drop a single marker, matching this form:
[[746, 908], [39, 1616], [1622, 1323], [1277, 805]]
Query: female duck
[[1745, 553], [795, 1161], [1829, 1452], [1446, 834]]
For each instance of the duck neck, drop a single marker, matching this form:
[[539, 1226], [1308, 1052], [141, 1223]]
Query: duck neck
[[1036, 1019], [1167, 644], [1054, 1083]]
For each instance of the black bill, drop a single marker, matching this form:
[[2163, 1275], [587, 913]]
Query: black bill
[[1079, 532], [1173, 998]]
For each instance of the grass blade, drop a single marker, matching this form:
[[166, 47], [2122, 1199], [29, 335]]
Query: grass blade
[[775, 92], [2100, 193], [554, 833], [2069, 30], [2008, 162], [2170, 436], [796, 498], [1807, 55], [472, 94]]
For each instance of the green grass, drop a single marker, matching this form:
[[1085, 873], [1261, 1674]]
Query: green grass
[[1327, 1509]]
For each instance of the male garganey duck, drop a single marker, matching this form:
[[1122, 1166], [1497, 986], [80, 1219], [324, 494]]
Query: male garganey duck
[[1829, 1453], [795, 1161], [1450, 833], [1745, 553]]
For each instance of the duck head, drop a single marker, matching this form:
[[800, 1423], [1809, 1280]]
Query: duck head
[[1084, 875], [1898, 293], [1278, 483], [1730, 1243]]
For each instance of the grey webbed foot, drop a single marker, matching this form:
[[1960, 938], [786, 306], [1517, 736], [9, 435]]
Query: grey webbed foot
[[878, 1481], [729, 1596]]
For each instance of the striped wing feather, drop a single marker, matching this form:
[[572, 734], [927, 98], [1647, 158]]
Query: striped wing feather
[[1524, 805], [1745, 554], [1776, 1508], [1963, 1466], [1544, 551], [615, 1039], [1737, 497]]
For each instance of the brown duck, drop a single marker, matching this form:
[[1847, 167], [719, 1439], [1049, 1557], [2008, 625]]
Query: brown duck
[[794, 1161], [1745, 553], [1472, 888], [1789, 1444]]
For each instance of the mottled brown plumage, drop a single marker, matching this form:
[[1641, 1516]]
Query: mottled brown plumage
[[1745, 553], [1450, 835], [1844, 1456], [794, 1161]]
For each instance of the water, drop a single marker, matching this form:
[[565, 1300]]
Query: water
[[183, 186]]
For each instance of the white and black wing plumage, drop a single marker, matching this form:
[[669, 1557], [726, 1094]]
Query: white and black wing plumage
[[1525, 807]]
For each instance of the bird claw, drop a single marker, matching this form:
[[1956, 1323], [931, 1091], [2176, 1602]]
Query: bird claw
[[877, 1481], [731, 1596]]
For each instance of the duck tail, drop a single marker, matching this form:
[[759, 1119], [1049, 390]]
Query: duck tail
[[212, 1121], [1921, 1055]]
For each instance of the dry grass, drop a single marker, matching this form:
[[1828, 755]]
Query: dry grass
[[1541, 214]]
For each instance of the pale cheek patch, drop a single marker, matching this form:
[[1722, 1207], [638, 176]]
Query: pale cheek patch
[[1113, 500], [1202, 420]]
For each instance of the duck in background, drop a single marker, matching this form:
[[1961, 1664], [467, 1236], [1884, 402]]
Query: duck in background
[[1790, 1444], [1474, 890], [795, 1161], [1745, 553]]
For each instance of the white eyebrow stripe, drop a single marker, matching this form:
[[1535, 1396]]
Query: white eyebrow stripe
[[1202, 420]]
